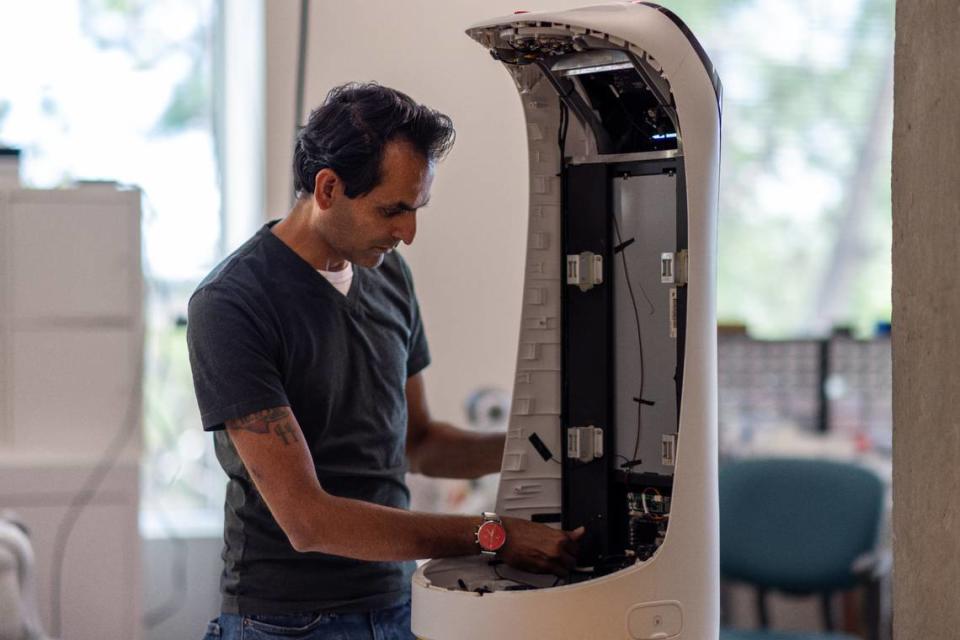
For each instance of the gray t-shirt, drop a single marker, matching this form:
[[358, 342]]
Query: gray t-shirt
[[266, 330]]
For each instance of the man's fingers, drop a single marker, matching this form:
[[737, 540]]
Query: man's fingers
[[559, 569], [546, 566], [540, 549], [569, 561], [572, 543]]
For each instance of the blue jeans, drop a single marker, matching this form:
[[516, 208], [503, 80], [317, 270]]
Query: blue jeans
[[382, 624]]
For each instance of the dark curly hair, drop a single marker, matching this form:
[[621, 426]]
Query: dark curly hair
[[349, 131]]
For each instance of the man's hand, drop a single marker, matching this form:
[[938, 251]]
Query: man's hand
[[538, 548]]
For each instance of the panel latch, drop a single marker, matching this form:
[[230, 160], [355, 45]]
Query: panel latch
[[585, 270], [673, 267], [584, 443]]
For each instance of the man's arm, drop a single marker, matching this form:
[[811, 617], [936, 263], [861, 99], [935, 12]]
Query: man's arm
[[442, 450], [274, 452]]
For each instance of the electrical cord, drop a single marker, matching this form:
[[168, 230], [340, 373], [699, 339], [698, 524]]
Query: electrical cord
[[636, 316], [626, 274], [91, 486], [128, 428]]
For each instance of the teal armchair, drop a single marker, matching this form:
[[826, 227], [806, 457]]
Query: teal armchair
[[804, 527]]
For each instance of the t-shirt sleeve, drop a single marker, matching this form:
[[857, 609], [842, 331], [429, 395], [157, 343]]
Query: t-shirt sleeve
[[233, 356]]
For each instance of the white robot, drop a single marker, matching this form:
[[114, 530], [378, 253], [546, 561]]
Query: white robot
[[614, 419]]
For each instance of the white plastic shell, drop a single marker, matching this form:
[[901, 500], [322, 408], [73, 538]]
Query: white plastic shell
[[675, 594]]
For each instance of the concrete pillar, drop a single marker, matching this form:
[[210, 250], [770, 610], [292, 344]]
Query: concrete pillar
[[926, 320]]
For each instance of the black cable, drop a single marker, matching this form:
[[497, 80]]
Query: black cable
[[128, 428], [636, 316], [301, 79], [623, 246]]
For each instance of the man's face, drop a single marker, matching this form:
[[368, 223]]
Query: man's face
[[363, 229]]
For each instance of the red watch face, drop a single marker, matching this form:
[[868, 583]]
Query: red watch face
[[491, 536]]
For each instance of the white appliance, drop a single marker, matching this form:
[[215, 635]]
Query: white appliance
[[614, 415], [71, 343]]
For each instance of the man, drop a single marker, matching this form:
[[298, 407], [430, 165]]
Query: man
[[307, 351]]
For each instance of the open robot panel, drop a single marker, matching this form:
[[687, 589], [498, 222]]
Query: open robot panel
[[613, 420]]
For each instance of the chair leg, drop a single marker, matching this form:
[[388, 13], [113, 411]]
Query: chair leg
[[826, 606], [871, 609], [762, 611], [724, 605]]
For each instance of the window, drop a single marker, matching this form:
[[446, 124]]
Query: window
[[126, 95], [805, 215], [805, 226]]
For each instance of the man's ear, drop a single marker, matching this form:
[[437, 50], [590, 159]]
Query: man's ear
[[326, 187]]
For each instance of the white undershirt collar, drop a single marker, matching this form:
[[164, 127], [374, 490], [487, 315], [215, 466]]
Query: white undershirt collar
[[340, 279]]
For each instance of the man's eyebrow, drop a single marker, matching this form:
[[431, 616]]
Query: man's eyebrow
[[403, 206]]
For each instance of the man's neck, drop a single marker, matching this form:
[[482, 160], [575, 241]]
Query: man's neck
[[299, 232]]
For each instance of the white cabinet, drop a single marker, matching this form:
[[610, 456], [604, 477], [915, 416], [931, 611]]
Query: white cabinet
[[71, 344]]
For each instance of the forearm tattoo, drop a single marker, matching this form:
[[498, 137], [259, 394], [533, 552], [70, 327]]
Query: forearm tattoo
[[283, 430], [276, 421]]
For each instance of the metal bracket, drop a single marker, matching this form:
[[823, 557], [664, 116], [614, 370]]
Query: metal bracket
[[584, 443], [585, 270], [673, 268]]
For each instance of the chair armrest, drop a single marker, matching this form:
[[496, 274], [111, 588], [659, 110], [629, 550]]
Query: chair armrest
[[873, 565]]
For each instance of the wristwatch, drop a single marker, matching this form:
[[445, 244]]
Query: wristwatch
[[491, 536]]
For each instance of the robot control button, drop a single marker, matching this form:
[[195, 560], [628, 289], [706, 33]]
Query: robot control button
[[655, 621]]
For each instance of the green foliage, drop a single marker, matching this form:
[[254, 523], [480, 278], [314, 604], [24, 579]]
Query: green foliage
[[143, 39], [120, 6], [796, 144], [190, 104]]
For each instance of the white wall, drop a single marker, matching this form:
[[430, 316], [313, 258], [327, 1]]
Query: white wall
[[469, 254]]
